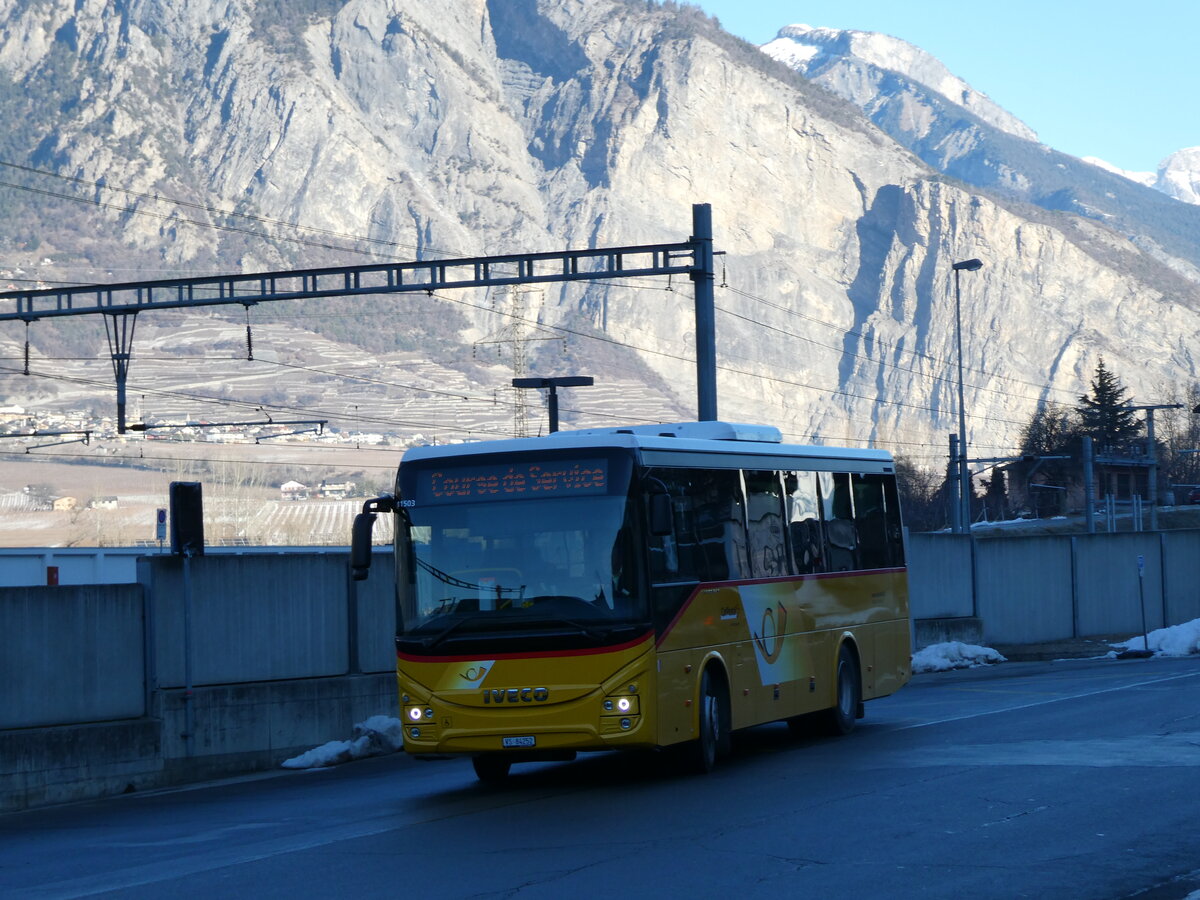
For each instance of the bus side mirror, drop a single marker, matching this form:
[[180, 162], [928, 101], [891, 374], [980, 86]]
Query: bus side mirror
[[360, 535], [360, 545], [661, 517]]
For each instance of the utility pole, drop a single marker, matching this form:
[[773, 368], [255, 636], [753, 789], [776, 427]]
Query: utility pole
[[1152, 456], [964, 490], [955, 502], [1089, 484], [703, 276]]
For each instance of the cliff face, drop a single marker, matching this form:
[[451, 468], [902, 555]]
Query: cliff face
[[463, 127]]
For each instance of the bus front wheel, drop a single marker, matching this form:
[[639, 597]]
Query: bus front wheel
[[491, 769], [841, 718], [713, 723]]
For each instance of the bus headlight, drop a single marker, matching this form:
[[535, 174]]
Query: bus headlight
[[621, 705], [414, 713]]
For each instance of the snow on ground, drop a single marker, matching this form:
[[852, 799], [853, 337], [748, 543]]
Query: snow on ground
[[1178, 640], [953, 655], [374, 737]]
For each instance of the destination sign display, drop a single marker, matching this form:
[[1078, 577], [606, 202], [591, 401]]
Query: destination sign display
[[513, 481]]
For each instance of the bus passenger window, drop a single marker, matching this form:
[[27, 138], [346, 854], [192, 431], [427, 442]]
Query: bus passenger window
[[837, 512], [871, 522], [895, 525], [709, 540], [804, 523], [764, 525]]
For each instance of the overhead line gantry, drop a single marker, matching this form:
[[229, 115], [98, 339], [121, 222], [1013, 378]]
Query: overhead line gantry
[[121, 302]]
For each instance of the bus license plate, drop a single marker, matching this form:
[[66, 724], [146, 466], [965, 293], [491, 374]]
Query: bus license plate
[[525, 740]]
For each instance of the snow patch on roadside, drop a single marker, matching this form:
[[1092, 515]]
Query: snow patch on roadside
[[376, 736], [953, 655], [1177, 640]]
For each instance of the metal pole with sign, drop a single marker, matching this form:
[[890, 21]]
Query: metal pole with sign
[[1145, 652]]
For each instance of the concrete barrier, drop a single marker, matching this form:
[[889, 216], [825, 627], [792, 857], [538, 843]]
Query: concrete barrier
[[939, 576], [1024, 589], [284, 653], [71, 655], [235, 729], [247, 618]]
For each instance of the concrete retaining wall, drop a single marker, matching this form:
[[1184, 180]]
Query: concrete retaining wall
[[283, 651], [1052, 587], [1024, 589], [71, 654], [237, 729]]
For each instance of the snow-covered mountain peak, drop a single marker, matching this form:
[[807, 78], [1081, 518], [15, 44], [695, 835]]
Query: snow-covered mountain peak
[[809, 50], [1179, 175], [1146, 178]]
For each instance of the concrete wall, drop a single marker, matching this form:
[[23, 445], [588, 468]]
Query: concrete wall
[[27, 566], [1111, 594], [106, 565], [1024, 589], [237, 729], [1051, 587], [267, 618], [284, 653], [1181, 586], [71, 655], [939, 576]]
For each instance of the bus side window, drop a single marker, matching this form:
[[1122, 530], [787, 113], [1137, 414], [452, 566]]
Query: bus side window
[[804, 523], [709, 540], [895, 524], [764, 525], [837, 513], [870, 520]]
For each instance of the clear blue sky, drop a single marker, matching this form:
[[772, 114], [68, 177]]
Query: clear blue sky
[[1120, 81]]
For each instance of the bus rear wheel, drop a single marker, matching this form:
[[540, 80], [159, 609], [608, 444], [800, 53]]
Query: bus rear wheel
[[713, 722], [842, 716], [491, 768]]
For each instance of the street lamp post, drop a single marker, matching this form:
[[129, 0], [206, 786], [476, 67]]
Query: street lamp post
[[554, 384], [964, 475]]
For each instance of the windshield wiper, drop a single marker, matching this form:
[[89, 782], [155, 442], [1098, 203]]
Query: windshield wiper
[[430, 642], [593, 630]]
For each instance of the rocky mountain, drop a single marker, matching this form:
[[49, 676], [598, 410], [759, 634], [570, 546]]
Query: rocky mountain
[[960, 132], [154, 139], [1179, 175]]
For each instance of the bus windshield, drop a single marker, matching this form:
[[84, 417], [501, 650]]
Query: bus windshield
[[547, 552]]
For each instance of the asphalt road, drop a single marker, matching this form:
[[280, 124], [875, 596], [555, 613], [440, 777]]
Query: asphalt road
[[1061, 779]]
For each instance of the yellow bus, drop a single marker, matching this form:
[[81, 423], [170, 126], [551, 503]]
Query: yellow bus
[[632, 588]]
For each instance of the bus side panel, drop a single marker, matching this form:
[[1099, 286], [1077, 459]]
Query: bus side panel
[[893, 658], [709, 624], [778, 642]]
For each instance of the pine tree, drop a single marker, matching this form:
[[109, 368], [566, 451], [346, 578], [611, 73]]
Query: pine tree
[[1105, 414]]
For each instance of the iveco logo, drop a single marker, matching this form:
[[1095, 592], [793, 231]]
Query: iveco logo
[[517, 695]]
